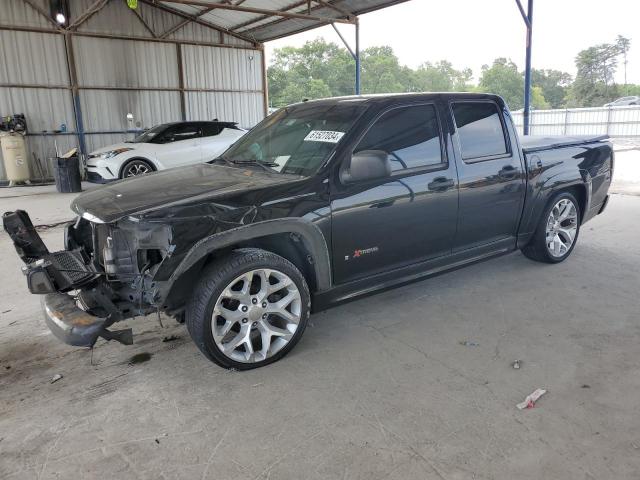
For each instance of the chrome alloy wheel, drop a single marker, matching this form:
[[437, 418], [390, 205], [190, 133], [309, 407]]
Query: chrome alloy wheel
[[256, 315], [562, 227], [136, 168]]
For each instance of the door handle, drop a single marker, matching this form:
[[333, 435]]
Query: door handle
[[440, 184], [508, 172]]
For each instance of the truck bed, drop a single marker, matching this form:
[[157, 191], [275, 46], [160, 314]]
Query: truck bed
[[536, 143]]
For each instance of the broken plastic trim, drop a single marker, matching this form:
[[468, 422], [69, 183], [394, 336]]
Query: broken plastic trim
[[74, 326]]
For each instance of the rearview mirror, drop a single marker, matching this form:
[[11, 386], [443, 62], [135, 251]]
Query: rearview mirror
[[367, 165]]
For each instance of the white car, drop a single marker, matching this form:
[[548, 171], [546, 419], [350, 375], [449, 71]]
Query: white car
[[163, 146], [634, 100]]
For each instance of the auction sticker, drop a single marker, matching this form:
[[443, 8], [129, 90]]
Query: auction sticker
[[323, 136]]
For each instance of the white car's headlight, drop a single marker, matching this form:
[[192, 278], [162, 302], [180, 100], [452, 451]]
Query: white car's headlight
[[110, 153]]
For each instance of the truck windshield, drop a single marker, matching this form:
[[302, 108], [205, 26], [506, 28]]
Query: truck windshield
[[296, 140]]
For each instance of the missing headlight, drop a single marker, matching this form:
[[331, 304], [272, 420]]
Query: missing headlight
[[147, 258]]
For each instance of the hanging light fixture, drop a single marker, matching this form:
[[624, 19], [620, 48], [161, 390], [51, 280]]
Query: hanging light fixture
[[59, 10]]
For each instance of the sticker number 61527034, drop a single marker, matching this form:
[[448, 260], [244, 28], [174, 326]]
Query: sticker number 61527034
[[327, 136]]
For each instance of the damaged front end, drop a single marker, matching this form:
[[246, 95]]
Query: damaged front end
[[104, 275]]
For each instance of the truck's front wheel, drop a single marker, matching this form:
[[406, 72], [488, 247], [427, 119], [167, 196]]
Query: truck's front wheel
[[557, 231], [249, 309]]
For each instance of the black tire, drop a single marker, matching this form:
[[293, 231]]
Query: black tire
[[136, 164], [537, 248], [215, 278]]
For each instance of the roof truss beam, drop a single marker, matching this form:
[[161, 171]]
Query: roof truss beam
[[42, 12], [325, 21], [88, 13], [196, 19], [262, 11]]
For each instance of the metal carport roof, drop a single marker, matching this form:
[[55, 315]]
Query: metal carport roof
[[264, 20]]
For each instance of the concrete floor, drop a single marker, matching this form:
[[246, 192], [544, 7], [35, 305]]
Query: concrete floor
[[378, 388]]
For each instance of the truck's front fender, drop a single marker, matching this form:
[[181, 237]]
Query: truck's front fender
[[309, 233]]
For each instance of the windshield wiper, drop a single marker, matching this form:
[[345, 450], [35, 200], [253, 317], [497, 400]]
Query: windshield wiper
[[267, 166], [236, 162], [224, 159]]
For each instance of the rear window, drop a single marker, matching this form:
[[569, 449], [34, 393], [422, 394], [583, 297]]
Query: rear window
[[211, 129], [479, 129]]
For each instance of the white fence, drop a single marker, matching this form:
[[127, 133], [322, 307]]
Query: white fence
[[613, 121]]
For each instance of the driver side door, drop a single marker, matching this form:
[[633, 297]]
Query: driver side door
[[407, 217]]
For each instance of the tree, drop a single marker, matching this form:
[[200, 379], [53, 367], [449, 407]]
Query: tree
[[624, 45], [554, 85], [315, 70], [442, 77], [503, 78], [538, 100], [594, 84], [381, 71], [320, 69]]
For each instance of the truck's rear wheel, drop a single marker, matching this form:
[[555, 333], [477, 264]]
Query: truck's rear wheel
[[557, 232], [249, 309]]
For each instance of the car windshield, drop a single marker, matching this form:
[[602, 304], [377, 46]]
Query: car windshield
[[297, 140], [150, 134]]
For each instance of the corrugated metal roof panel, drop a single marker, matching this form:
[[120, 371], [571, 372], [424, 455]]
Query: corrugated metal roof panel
[[115, 18], [277, 26], [199, 33]]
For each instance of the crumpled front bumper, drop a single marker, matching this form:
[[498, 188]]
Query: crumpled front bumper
[[72, 325]]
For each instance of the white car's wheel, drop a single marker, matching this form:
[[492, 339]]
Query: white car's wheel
[[135, 168]]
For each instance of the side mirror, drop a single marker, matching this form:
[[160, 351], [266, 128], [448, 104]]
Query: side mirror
[[367, 165]]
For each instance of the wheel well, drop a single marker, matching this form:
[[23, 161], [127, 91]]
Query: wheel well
[[580, 192], [288, 245], [151, 164]]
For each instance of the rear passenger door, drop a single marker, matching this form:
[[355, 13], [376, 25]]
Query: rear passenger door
[[410, 216], [490, 172]]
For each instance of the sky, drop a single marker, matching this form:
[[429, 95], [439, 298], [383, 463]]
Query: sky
[[470, 33]]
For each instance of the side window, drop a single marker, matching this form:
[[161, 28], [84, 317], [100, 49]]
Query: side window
[[177, 133], [479, 129], [410, 135], [210, 129]]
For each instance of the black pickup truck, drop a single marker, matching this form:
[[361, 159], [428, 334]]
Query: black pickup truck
[[321, 202]]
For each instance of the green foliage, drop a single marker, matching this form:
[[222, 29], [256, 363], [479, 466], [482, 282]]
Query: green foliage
[[503, 79], [322, 69], [631, 89], [442, 77], [538, 100], [315, 70], [381, 71], [554, 85], [597, 66]]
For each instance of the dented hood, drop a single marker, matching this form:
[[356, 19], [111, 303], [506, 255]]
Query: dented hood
[[167, 188]]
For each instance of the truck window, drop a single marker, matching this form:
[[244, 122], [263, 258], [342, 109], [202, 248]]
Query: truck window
[[479, 129], [410, 135]]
